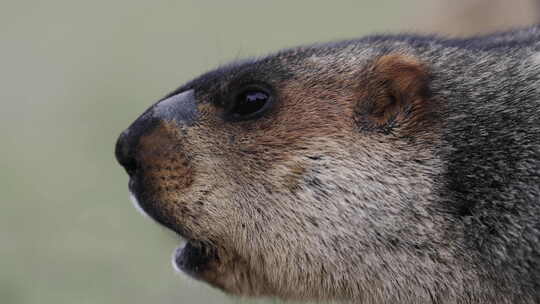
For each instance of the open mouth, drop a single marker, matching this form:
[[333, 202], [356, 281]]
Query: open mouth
[[192, 256]]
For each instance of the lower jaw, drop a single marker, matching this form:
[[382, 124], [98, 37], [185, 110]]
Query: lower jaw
[[176, 254], [202, 262]]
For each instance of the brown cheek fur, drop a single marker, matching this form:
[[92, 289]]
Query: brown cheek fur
[[303, 113]]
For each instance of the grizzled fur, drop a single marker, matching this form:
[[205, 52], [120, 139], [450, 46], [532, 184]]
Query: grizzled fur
[[390, 169]]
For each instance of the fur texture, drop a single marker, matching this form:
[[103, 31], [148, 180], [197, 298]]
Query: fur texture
[[389, 169]]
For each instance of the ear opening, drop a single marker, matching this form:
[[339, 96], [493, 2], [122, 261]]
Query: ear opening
[[395, 96]]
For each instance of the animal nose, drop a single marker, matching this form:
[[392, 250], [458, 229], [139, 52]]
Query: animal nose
[[180, 108], [123, 154]]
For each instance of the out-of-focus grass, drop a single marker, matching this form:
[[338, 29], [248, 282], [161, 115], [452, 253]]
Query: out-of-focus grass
[[73, 75]]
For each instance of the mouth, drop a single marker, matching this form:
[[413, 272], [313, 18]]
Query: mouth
[[192, 257]]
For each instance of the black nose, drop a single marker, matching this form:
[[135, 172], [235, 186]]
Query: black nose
[[123, 154], [179, 108]]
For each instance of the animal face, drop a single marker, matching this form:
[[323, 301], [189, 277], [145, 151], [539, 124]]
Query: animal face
[[284, 172]]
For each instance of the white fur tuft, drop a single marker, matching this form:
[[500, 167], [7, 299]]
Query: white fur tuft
[[136, 204]]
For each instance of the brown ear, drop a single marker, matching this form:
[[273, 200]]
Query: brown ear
[[395, 96]]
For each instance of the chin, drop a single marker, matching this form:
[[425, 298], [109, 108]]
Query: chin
[[203, 260]]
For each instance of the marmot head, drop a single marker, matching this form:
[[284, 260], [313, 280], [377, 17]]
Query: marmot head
[[298, 175]]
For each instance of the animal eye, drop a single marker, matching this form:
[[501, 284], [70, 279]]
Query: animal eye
[[250, 104]]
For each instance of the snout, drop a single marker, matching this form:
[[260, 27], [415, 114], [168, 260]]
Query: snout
[[180, 109], [156, 158]]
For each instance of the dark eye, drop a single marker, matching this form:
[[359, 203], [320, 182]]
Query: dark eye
[[249, 104]]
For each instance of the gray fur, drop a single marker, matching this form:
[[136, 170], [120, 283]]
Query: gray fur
[[450, 214]]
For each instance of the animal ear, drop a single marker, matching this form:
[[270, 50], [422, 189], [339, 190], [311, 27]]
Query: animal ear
[[394, 96]]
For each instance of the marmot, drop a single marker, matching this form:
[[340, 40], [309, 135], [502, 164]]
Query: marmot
[[388, 169]]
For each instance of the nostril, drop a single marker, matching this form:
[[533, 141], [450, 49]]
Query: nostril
[[124, 155]]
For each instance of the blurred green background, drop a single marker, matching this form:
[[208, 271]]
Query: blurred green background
[[74, 74]]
